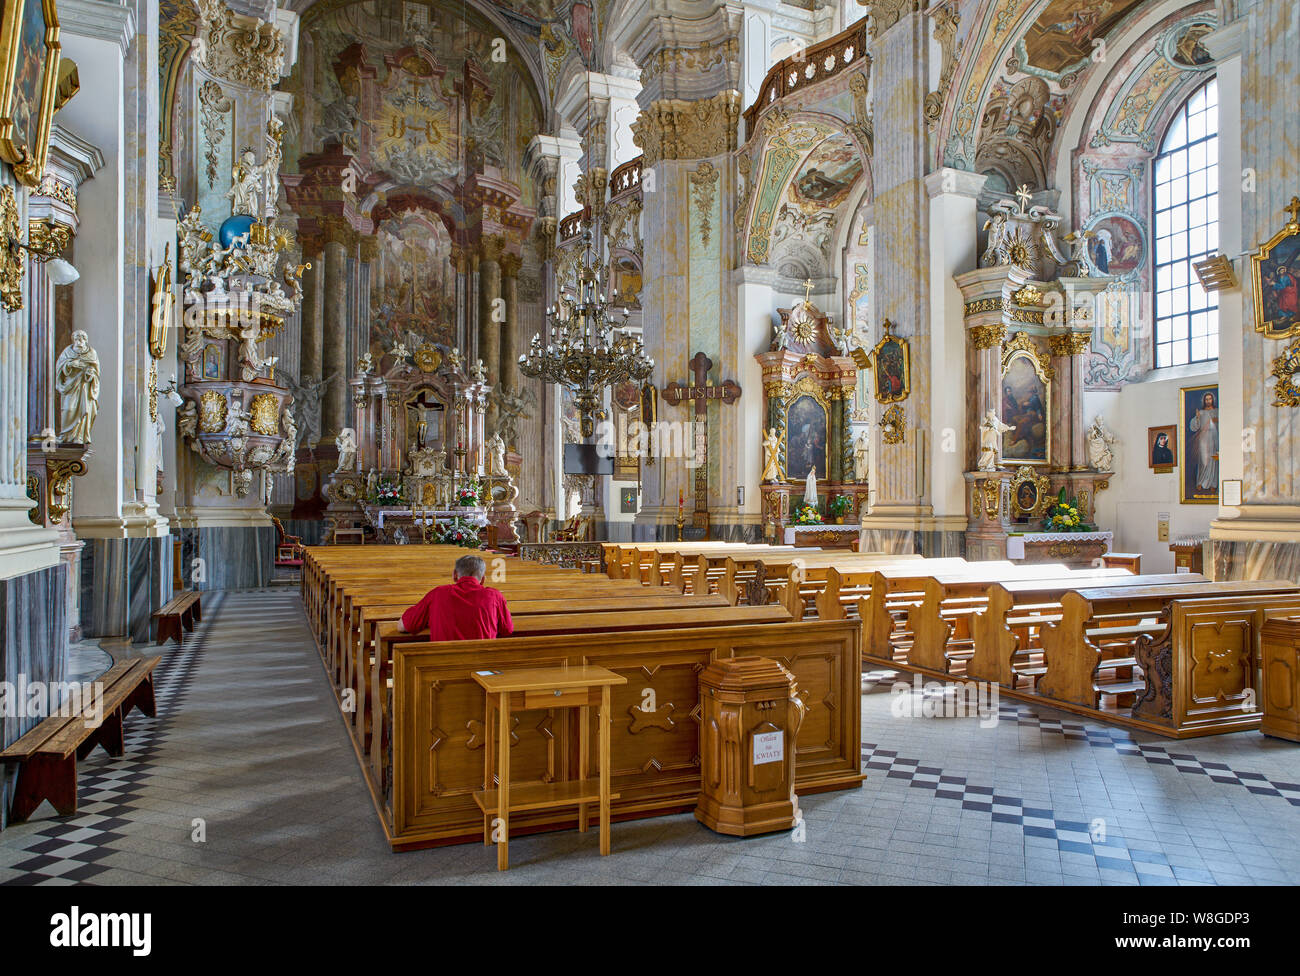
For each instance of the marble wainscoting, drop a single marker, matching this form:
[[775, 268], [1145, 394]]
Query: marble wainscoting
[[310, 531], [33, 647], [123, 581], [1241, 560], [931, 544], [234, 557]]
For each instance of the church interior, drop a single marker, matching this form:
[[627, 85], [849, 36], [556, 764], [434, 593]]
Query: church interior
[[855, 481]]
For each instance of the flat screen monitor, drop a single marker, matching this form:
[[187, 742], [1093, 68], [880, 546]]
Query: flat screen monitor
[[586, 459]]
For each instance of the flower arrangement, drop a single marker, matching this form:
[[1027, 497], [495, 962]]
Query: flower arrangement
[[458, 533], [467, 495], [805, 514], [1064, 516], [839, 506], [388, 493]]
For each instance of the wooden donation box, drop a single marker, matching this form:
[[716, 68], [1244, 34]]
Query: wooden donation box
[[1281, 661], [750, 720]]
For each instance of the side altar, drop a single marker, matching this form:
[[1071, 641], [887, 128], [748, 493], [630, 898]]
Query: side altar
[[808, 387], [419, 451]]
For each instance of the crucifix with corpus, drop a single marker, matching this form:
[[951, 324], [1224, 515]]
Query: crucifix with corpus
[[701, 392]]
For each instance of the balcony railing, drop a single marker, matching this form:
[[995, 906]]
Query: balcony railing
[[626, 177], [814, 65]]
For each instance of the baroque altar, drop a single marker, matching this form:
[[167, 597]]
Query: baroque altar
[[808, 387]]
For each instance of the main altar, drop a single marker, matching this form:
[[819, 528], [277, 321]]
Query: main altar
[[419, 456], [808, 388]]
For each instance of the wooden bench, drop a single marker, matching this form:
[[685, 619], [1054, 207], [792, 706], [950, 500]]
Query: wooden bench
[[178, 615], [48, 754]]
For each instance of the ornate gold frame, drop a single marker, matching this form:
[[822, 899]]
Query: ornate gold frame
[[889, 337], [892, 425], [1290, 229], [1022, 346], [28, 161], [1041, 485], [1286, 368], [806, 386]]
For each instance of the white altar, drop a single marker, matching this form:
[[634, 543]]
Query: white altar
[[1075, 549]]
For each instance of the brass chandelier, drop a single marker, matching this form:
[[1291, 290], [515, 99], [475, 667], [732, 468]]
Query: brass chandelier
[[584, 351]]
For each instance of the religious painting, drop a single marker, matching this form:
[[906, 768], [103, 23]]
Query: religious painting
[[1029, 494], [891, 367], [29, 75], [412, 284], [627, 501], [1026, 396], [1117, 246], [827, 175], [805, 438], [1064, 33], [1199, 424], [1275, 275], [1186, 46], [1162, 448], [214, 355], [580, 21]]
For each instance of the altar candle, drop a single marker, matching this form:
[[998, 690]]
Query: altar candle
[[681, 499]]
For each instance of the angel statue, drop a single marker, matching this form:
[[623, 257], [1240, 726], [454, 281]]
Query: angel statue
[[772, 458], [991, 431], [1101, 440], [996, 225]]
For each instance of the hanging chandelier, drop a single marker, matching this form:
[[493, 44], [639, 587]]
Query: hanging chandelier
[[583, 350]]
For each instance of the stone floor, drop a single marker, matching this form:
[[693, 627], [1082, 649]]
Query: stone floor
[[247, 777]]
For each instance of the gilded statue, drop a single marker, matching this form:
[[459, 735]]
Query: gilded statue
[[76, 379]]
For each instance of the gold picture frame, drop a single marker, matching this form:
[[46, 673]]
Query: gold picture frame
[[1280, 273], [1030, 493], [891, 367], [25, 146]]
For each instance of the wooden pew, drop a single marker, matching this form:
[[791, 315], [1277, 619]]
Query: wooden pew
[[813, 568], [685, 566], [437, 765], [1005, 633], [1198, 661]]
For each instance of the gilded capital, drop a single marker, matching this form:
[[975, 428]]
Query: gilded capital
[[492, 247], [988, 336], [673, 128], [1070, 343], [336, 230], [369, 249], [510, 265]]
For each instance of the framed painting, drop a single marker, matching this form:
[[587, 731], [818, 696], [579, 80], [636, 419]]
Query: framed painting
[[627, 501], [1162, 448], [1198, 423], [29, 81], [891, 367], [1026, 404], [806, 444], [1275, 277]]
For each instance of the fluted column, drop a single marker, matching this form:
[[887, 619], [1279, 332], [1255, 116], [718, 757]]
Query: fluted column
[[510, 380], [335, 340], [491, 315]]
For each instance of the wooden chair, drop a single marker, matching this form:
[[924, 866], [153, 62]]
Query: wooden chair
[[575, 530], [288, 548]]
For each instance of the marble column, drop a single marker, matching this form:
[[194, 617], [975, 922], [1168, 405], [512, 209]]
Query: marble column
[[311, 318], [335, 335], [510, 380], [491, 315]]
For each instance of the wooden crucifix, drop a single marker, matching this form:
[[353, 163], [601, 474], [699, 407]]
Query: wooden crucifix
[[701, 391]]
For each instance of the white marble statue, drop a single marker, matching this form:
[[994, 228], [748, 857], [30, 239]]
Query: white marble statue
[[771, 457], [861, 457], [810, 487], [497, 457], [247, 181], [346, 442], [991, 431], [76, 378], [1100, 441]]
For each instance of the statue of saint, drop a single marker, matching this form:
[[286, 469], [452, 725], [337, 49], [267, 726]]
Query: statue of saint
[[497, 457], [810, 487], [991, 431], [861, 456], [76, 379], [245, 193], [1100, 442], [346, 442], [772, 458]]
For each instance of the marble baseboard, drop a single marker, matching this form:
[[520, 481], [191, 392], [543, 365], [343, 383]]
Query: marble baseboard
[[1237, 560], [932, 545], [310, 531], [123, 581], [234, 557], [718, 532], [33, 647]]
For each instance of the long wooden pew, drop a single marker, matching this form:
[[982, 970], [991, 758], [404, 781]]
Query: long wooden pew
[[438, 716], [796, 579], [1198, 668], [1005, 633]]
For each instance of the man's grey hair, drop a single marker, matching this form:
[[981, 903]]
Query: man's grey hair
[[470, 565]]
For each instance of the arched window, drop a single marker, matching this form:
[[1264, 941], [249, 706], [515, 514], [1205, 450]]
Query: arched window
[[1186, 180]]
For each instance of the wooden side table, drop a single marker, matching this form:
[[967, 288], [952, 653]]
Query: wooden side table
[[526, 689]]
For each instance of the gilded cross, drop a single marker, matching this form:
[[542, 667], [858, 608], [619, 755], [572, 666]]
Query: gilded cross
[[1024, 196], [701, 392], [1293, 208]]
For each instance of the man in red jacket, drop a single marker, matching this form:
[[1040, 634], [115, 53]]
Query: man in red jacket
[[463, 610]]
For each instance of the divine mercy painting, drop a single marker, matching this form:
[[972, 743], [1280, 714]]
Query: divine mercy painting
[[1199, 412], [1024, 407], [805, 427]]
